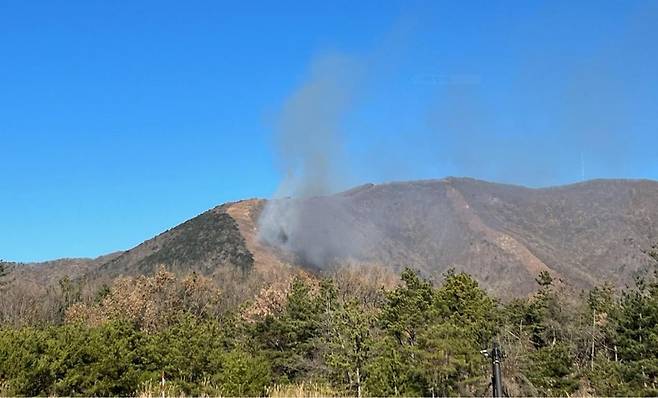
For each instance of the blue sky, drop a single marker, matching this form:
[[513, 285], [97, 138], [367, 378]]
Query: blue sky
[[119, 120]]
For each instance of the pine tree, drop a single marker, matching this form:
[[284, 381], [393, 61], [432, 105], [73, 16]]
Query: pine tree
[[407, 311], [348, 349], [462, 302], [290, 338], [408, 308], [637, 336], [451, 361]]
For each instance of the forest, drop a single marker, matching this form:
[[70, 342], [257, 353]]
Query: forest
[[175, 335]]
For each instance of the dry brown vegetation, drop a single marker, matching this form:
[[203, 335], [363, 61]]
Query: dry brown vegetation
[[150, 302]]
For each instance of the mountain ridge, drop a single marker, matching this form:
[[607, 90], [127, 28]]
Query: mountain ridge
[[584, 233]]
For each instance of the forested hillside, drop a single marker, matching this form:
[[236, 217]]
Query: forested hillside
[[383, 290], [503, 235], [341, 335]]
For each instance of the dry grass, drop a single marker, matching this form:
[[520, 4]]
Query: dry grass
[[151, 389], [301, 390], [4, 388]]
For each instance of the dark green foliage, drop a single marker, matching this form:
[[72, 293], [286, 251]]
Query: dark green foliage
[[408, 309], [101, 293], [544, 279], [551, 370], [290, 339], [70, 360], [636, 336], [348, 346], [199, 236], [432, 338], [241, 373], [461, 302], [451, 362], [117, 359], [70, 293], [202, 243], [391, 371]]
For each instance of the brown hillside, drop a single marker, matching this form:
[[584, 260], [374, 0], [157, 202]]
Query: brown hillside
[[504, 235]]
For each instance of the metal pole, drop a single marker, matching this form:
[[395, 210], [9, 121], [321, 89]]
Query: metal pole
[[497, 379]]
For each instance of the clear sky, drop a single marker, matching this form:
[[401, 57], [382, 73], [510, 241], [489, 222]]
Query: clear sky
[[120, 119]]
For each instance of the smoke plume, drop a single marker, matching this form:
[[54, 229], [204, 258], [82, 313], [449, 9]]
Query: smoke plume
[[549, 118], [310, 147]]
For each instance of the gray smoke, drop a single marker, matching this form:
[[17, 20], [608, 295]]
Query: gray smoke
[[309, 134], [558, 120], [309, 141]]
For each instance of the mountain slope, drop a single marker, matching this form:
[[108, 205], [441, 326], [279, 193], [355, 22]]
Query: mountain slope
[[200, 244], [504, 235]]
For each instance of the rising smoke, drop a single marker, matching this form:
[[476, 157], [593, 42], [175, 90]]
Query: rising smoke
[[310, 148], [566, 119]]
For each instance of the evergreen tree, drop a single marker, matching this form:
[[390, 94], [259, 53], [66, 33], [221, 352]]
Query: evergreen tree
[[550, 369], [462, 302], [408, 310], [348, 350], [450, 362], [290, 339], [637, 337]]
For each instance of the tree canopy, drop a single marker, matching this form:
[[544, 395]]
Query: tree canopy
[[415, 339]]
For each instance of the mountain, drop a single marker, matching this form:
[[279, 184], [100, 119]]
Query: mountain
[[201, 244], [583, 234]]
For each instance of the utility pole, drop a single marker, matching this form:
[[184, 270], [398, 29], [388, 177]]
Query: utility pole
[[497, 376], [496, 357]]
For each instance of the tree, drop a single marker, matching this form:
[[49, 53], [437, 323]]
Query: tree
[[636, 335], [544, 335], [290, 339], [408, 308], [241, 373], [462, 302], [601, 310], [539, 311], [451, 361], [348, 349], [415, 340], [434, 337], [551, 370], [5, 269], [451, 347], [407, 311], [391, 372]]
